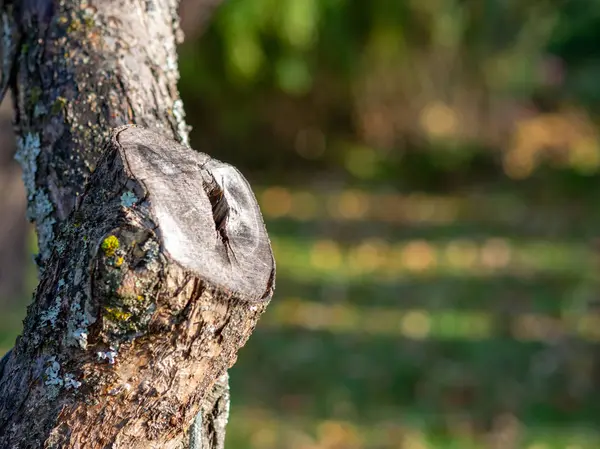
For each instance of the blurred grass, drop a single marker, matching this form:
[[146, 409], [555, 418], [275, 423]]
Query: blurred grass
[[327, 259], [260, 427], [472, 332]]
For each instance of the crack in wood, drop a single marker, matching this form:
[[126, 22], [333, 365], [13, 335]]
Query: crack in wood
[[221, 211]]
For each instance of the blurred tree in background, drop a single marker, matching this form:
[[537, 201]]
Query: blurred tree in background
[[429, 171], [354, 88]]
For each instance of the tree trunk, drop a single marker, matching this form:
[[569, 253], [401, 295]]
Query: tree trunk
[[155, 273]]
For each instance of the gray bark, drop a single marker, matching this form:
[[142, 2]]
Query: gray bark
[[77, 70], [154, 283]]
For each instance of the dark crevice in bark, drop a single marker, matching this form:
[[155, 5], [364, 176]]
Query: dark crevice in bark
[[220, 211]]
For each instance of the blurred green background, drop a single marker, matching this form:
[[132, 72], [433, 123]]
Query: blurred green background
[[429, 171]]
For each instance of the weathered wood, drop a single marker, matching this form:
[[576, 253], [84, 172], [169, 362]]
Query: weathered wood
[[154, 283], [77, 69], [208, 215]]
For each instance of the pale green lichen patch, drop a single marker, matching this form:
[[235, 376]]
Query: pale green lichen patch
[[77, 276], [40, 210], [61, 247], [28, 150], [50, 316], [110, 356], [40, 207], [152, 249], [54, 381], [52, 373], [40, 109], [128, 199], [71, 382], [81, 337], [182, 128], [52, 378], [77, 326]]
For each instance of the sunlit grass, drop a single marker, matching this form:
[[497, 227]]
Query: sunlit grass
[[363, 206], [421, 324], [260, 428], [327, 259], [354, 205]]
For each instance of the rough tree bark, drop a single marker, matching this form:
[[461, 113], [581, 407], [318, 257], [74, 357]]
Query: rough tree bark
[[155, 273]]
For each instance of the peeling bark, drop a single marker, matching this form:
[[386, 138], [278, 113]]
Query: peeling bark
[[78, 69]]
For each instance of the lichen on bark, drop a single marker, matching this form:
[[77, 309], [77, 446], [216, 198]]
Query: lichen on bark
[[120, 333], [77, 69]]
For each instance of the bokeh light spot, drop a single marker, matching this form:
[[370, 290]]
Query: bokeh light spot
[[495, 253], [416, 325], [419, 256], [304, 206], [276, 202], [362, 162], [326, 254], [353, 205], [461, 253], [439, 120]]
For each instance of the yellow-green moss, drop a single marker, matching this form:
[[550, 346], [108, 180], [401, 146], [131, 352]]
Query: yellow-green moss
[[35, 94], [117, 314], [59, 103], [110, 245], [73, 26], [119, 261], [89, 22]]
